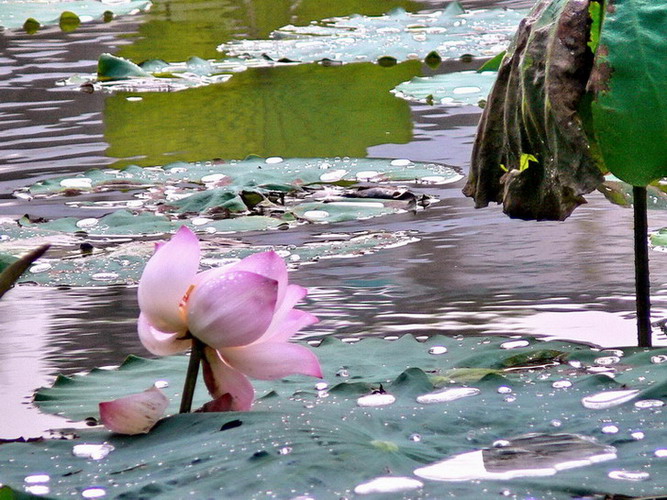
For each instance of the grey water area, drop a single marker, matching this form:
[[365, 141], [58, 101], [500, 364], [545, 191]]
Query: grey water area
[[471, 272]]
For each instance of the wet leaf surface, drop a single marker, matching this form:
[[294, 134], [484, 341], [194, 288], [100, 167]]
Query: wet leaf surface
[[395, 37], [452, 89], [312, 438], [13, 14]]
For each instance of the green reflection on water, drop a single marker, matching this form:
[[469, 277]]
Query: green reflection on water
[[177, 29], [297, 111]]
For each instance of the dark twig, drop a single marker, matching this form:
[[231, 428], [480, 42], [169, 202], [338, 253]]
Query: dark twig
[[642, 282]]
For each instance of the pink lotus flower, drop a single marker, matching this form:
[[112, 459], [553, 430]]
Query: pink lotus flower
[[244, 314]]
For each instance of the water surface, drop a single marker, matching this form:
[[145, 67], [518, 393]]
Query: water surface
[[471, 272]]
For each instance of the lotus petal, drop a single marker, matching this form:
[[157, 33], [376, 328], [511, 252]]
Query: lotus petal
[[293, 294], [161, 343], [167, 278], [295, 321], [221, 379], [270, 361], [268, 264], [134, 414], [232, 309]]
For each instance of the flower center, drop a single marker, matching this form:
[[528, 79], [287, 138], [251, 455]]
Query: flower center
[[183, 304]]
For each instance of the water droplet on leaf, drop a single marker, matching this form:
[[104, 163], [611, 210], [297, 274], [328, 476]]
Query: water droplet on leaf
[[608, 399], [388, 484], [448, 394], [374, 400]]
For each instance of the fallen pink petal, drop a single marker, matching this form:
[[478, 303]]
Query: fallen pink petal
[[134, 414]]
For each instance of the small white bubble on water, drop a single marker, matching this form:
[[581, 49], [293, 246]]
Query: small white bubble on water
[[608, 399], [104, 276], [437, 349], [556, 423], [649, 403], [333, 175], [40, 268], [400, 162], [610, 429], [448, 394], [285, 450], [374, 400], [367, 175], [76, 182], [201, 221], [602, 370], [93, 451], [607, 360], [36, 479], [94, 492], [514, 344], [321, 386], [87, 223], [501, 443], [628, 475], [388, 484], [316, 214], [272, 160], [658, 359], [211, 178], [465, 90], [433, 179], [38, 489], [561, 384]]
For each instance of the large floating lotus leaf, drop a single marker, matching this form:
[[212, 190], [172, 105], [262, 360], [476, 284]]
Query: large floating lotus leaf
[[312, 438], [532, 118], [454, 89], [13, 14], [84, 260], [629, 80], [252, 173], [398, 35], [122, 75]]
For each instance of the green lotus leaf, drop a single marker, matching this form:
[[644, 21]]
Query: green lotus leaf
[[14, 14], [629, 119], [321, 439], [81, 259], [388, 40], [259, 173], [398, 35], [459, 88]]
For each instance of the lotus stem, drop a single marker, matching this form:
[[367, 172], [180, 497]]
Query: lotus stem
[[196, 354], [642, 283]]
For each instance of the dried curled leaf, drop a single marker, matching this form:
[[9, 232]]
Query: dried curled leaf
[[534, 110]]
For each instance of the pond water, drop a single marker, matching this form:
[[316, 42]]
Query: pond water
[[471, 272]]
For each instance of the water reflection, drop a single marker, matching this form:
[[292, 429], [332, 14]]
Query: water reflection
[[472, 272], [297, 111]]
